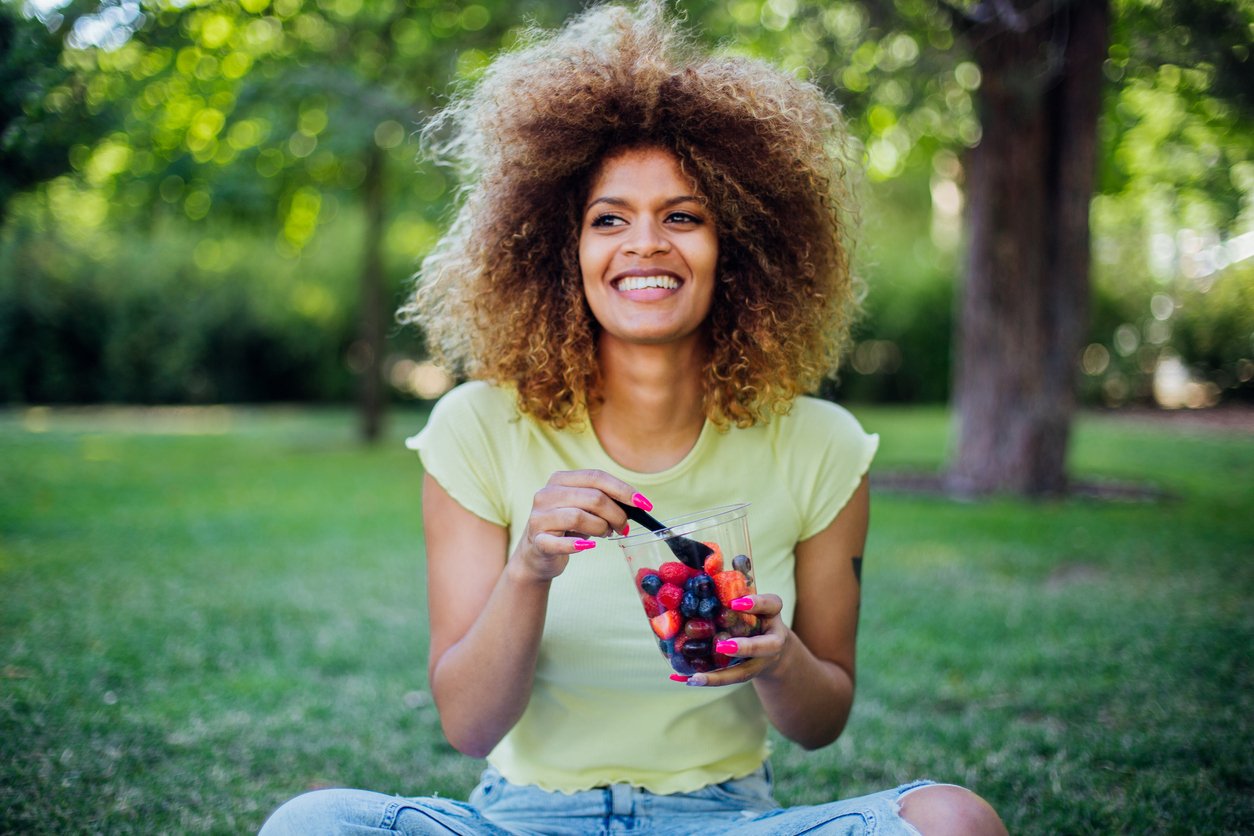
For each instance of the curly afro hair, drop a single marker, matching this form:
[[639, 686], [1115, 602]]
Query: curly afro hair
[[500, 296]]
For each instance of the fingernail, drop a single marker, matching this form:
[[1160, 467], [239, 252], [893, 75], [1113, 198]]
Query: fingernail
[[727, 648], [641, 501], [678, 677], [583, 545], [696, 680], [741, 604], [626, 528]]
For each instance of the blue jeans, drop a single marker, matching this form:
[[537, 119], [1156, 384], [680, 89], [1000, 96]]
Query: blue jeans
[[744, 807]]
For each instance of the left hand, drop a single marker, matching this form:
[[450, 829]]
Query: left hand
[[760, 653]]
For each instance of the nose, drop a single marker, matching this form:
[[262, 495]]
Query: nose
[[647, 238]]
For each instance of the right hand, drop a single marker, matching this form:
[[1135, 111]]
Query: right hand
[[574, 506]]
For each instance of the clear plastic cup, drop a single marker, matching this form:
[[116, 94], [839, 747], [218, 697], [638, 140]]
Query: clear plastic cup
[[687, 576]]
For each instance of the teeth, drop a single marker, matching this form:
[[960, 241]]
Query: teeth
[[642, 282]]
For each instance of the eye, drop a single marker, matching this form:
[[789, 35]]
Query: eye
[[683, 218], [607, 219]]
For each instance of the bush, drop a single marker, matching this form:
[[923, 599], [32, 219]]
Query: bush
[[178, 315]]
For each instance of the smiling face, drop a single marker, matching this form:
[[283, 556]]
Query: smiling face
[[647, 249]]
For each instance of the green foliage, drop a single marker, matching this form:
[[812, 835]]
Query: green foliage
[[208, 611], [179, 316], [263, 116], [42, 112]]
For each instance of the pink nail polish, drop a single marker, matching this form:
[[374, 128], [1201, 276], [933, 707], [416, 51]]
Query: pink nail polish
[[741, 604], [641, 501], [678, 677], [584, 545], [626, 528], [727, 648]]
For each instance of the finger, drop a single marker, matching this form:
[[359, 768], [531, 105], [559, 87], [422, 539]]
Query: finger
[[764, 604], [611, 486], [587, 510], [562, 544], [736, 674]]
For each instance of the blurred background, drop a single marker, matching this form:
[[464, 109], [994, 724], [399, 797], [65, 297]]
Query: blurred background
[[208, 202]]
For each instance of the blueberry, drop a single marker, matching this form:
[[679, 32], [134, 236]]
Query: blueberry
[[682, 665], [689, 605], [703, 586], [690, 585], [742, 564], [667, 646], [651, 584], [708, 607]]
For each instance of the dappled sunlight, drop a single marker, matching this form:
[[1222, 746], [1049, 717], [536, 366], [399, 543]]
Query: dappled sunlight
[[152, 420]]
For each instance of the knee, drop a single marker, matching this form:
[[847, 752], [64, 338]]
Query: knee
[[944, 809], [320, 811]]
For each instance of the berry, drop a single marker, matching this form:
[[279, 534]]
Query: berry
[[648, 581], [667, 646], [708, 607], [730, 586], [667, 624], [688, 605], [682, 665], [652, 606], [716, 557], [742, 564], [675, 572], [669, 596], [703, 586]]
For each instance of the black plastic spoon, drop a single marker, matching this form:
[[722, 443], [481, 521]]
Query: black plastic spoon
[[690, 552]]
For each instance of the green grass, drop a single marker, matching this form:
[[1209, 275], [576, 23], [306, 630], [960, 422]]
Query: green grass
[[203, 613]]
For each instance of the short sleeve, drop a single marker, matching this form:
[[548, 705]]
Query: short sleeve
[[463, 446], [829, 455]]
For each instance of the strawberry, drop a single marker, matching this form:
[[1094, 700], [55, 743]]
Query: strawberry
[[667, 624], [670, 596], [713, 563], [676, 573], [730, 586]]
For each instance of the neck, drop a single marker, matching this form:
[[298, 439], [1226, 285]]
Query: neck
[[651, 413]]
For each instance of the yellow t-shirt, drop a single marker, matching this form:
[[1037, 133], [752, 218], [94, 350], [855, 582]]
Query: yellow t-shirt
[[603, 709]]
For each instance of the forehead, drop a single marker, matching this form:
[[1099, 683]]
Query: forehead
[[633, 168]]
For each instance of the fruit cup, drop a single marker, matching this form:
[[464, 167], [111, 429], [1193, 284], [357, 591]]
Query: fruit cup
[[686, 576]]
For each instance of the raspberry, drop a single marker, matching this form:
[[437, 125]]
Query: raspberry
[[667, 624], [652, 606], [670, 596], [730, 586], [676, 573]]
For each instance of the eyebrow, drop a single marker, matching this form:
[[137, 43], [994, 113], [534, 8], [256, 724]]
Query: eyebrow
[[669, 202]]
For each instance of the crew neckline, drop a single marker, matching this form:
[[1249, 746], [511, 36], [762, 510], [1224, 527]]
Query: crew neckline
[[639, 476]]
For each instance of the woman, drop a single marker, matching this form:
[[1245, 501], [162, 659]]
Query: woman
[[647, 272]]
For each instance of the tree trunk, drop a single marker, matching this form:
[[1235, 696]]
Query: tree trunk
[[371, 337], [1023, 307]]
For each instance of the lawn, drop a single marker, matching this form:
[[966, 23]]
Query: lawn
[[204, 612]]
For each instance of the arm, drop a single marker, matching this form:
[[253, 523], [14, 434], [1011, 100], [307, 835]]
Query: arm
[[486, 612], [804, 676]]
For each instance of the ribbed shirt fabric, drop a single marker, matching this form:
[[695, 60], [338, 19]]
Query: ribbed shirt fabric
[[603, 709]]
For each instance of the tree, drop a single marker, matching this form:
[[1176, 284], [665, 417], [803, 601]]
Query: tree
[[1024, 303]]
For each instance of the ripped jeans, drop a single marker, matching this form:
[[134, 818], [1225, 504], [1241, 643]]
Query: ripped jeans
[[743, 807]]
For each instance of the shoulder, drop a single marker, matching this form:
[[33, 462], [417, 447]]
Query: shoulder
[[478, 396], [814, 419]]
